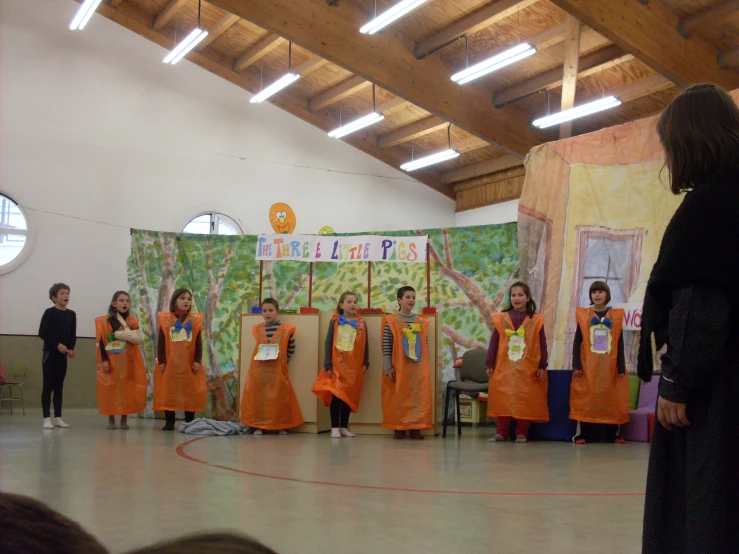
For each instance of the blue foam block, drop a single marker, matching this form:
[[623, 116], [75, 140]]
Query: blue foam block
[[560, 426]]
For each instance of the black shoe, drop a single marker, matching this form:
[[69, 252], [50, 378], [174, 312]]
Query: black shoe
[[168, 427], [399, 435], [416, 435]]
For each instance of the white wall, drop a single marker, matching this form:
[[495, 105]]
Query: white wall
[[99, 136], [505, 212]]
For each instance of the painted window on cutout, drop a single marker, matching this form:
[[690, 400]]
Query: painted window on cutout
[[212, 223]]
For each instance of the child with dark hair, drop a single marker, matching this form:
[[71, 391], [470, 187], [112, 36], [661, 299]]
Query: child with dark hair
[[180, 383], [269, 402], [599, 395], [406, 386], [339, 385], [58, 329], [516, 362]]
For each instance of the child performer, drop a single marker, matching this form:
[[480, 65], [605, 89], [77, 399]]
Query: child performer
[[339, 385], [517, 361], [121, 374], [269, 402], [599, 394], [59, 330], [179, 384], [406, 386]]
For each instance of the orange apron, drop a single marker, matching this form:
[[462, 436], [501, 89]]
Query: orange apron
[[123, 390], [513, 390], [269, 401], [348, 372], [178, 388], [600, 395], [406, 402]]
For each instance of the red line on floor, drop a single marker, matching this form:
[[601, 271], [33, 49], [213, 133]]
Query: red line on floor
[[181, 452]]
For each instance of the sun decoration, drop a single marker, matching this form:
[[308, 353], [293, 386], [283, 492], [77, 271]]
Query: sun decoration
[[282, 218]]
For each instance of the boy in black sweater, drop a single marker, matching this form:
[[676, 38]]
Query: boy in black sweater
[[59, 330]]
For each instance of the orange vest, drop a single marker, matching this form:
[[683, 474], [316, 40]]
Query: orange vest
[[600, 395], [348, 372], [513, 390], [406, 402], [269, 401], [177, 387], [123, 390]]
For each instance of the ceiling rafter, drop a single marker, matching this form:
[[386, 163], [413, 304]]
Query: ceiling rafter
[[263, 46], [115, 3], [703, 18], [478, 169], [569, 76], [221, 26], [411, 131], [169, 11], [338, 92]]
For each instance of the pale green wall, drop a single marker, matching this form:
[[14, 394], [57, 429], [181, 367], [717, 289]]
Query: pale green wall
[[79, 386]]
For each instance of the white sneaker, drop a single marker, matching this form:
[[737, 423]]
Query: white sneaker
[[59, 422], [346, 433], [47, 423], [282, 432], [521, 438], [259, 432], [335, 433], [496, 438]]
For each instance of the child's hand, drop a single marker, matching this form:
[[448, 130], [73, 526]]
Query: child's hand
[[329, 373], [162, 367], [392, 375], [196, 367], [671, 413], [61, 348], [490, 371], [365, 368], [106, 367], [622, 375], [539, 374], [577, 373], [70, 354]]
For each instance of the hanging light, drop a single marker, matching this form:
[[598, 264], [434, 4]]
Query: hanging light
[[191, 41], [83, 15], [361, 123], [439, 157], [494, 63], [286, 80], [578, 111], [390, 15]]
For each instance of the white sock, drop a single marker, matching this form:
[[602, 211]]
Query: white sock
[[335, 433], [47, 423], [282, 432], [58, 422], [259, 432], [346, 433]]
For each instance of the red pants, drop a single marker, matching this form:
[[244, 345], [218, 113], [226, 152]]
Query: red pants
[[504, 426]]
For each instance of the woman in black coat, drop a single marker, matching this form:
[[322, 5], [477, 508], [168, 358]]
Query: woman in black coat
[[692, 306]]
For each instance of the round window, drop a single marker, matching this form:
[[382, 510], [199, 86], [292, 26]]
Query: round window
[[14, 239]]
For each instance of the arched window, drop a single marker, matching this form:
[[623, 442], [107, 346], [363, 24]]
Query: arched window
[[212, 223]]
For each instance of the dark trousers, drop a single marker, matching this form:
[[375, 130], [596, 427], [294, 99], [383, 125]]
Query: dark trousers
[[340, 411], [169, 417], [55, 370], [504, 426], [598, 432]]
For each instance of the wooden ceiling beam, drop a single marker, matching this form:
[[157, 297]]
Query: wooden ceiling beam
[[115, 3], [257, 51], [310, 66], [569, 76], [728, 59], [642, 87], [336, 93], [387, 60], [703, 18], [592, 63], [649, 31], [484, 17], [411, 131], [470, 171], [221, 26], [169, 11], [392, 106], [139, 22]]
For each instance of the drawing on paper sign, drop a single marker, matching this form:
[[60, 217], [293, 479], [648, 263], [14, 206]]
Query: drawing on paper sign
[[282, 218]]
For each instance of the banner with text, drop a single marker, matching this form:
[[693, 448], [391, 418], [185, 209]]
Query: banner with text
[[632, 319], [360, 248]]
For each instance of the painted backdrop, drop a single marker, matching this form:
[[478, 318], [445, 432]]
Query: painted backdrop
[[471, 269]]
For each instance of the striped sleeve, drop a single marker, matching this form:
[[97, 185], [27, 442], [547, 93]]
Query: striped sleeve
[[387, 349], [291, 347]]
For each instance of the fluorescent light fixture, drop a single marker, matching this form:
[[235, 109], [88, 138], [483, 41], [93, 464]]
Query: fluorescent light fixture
[[493, 64], [356, 125], [182, 49], [284, 81], [578, 111], [388, 16], [84, 13], [430, 160]]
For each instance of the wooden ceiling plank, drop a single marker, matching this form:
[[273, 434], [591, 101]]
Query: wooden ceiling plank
[[387, 60], [411, 131], [313, 64], [484, 17], [592, 63], [337, 93], [642, 87], [649, 31], [392, 106], [705, 17], [257, 51], [470, 171], [569, 76], [221, 26], [169, 11]]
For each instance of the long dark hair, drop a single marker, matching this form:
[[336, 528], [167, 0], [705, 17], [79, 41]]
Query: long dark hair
[[699, 131], [112, 312], [175, 295], [343, 296], [530, 305]]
